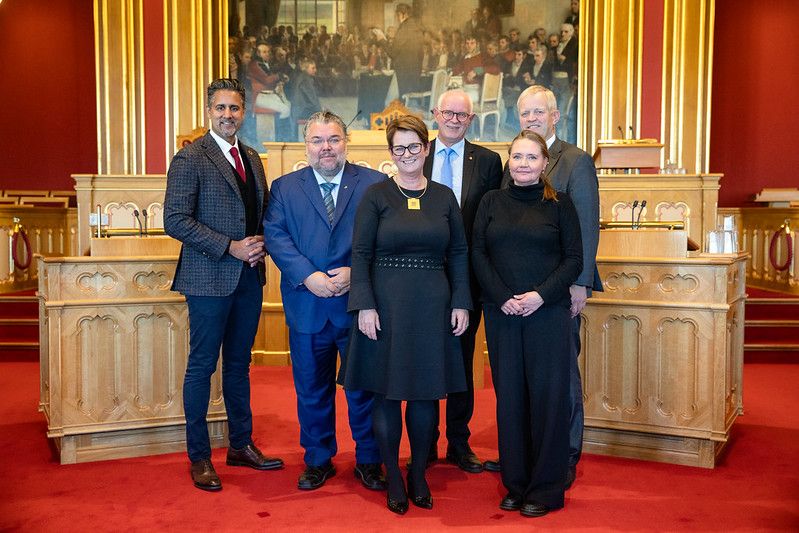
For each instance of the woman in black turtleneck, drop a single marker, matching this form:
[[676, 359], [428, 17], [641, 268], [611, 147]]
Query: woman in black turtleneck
[[526, 252]]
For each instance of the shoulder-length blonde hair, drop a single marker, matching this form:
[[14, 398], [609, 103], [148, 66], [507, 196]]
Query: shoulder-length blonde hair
[[549, 191]]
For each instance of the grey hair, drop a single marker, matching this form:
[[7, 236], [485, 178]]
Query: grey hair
[[552, 103], [225, 84], [456, 91], [324, 117]]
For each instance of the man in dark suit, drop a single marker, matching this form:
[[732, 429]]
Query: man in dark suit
[[304, 97], [470, 171], [215, 197], [308, 232], [570, 170], [407, 50]]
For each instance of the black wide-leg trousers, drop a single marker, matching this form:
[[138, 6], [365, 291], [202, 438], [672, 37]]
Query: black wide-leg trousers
[[530, 368]]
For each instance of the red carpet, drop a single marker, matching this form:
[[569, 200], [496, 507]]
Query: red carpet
[[756, 485]]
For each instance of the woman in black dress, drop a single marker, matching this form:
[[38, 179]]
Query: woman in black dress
[[526, 252], [410, 287]]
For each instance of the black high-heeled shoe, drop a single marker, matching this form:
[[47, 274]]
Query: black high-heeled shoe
[[397, 506], [425, 502]]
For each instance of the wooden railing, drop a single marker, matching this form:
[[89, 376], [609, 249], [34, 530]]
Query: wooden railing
[[26, 230], [769, 234]]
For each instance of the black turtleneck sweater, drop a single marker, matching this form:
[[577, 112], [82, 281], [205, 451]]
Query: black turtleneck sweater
[[523, 243]]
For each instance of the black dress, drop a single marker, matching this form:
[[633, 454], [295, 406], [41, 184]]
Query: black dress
[[412, 267]]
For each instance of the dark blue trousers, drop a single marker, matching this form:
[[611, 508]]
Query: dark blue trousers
[[229, 322], [313, 365], [575, 396]]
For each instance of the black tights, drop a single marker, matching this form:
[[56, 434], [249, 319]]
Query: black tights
[[420, 416]]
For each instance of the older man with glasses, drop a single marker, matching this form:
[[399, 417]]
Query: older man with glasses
[[308, 232], [470, 171]]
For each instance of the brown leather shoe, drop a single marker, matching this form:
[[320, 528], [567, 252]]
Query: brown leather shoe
[[204, 475], [251, 456]]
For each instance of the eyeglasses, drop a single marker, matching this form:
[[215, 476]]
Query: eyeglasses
[[447, 114], [318, 142], [413, 148]]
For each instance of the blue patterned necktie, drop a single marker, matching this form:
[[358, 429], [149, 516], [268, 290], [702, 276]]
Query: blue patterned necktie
[[446, 167], [327, 197]]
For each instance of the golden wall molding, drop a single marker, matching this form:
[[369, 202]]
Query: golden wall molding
[[119, 70], [195, 43], [611, 36], [687, 82]]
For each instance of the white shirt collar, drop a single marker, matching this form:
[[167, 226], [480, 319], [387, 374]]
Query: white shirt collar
[[458, 147], [223, 144], [336, 179], [550, 141]]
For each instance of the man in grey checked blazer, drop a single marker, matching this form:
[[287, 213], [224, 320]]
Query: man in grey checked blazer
[[216, 196]]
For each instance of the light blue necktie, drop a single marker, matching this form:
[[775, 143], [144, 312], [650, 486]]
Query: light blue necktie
[[327, 197], [446, 167]]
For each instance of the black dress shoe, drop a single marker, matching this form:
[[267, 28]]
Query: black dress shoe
[[492, 466], [204, 475], [251, 456], [571, 475], [465, 459], [533, 510], [397, 506], [315, 476], [510, 503], [425, 502], [371, 476]]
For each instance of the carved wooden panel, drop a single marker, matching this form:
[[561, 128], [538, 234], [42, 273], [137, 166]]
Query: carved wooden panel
[[621, 364], [677, 393]]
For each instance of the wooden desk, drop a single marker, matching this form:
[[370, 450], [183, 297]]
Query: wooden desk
[[662, 357], [114, 344]]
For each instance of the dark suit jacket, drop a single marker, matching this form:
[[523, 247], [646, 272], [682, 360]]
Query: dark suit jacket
[[203, 209], [407, 53], [482, 172], [571, 170], [304, 99], [301, 241]]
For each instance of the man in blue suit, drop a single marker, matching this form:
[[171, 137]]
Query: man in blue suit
[[308, 233]]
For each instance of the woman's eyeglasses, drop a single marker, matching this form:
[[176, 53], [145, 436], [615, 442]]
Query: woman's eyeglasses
[[413, 148]]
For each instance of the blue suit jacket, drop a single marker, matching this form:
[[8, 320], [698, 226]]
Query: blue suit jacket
[[301, 241]]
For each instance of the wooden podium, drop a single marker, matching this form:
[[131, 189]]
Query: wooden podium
[[662, 354], [642, 153]]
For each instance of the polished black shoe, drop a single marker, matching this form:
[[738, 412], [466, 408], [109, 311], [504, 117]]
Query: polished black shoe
[[425, 502], [251, 456], [431, 460], [492, 466], [510, 503], [371, 476], [315, 476], [465, 459], [571, 475], [397, 506], [204, 475], [533, 510]]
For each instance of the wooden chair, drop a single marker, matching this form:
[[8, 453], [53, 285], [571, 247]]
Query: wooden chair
[[380, 120], [185, 140], [489, 102], [428, 99]]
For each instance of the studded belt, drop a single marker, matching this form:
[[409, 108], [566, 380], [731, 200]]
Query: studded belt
[[409, 262]]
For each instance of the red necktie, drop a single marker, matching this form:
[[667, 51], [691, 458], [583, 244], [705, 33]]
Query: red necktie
[[239, 167]]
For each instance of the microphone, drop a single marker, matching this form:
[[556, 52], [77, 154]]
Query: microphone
[[621, 131], [358, 114], [640, 211], [632, 215], [632, 134], [144, 212], [136, 214]]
